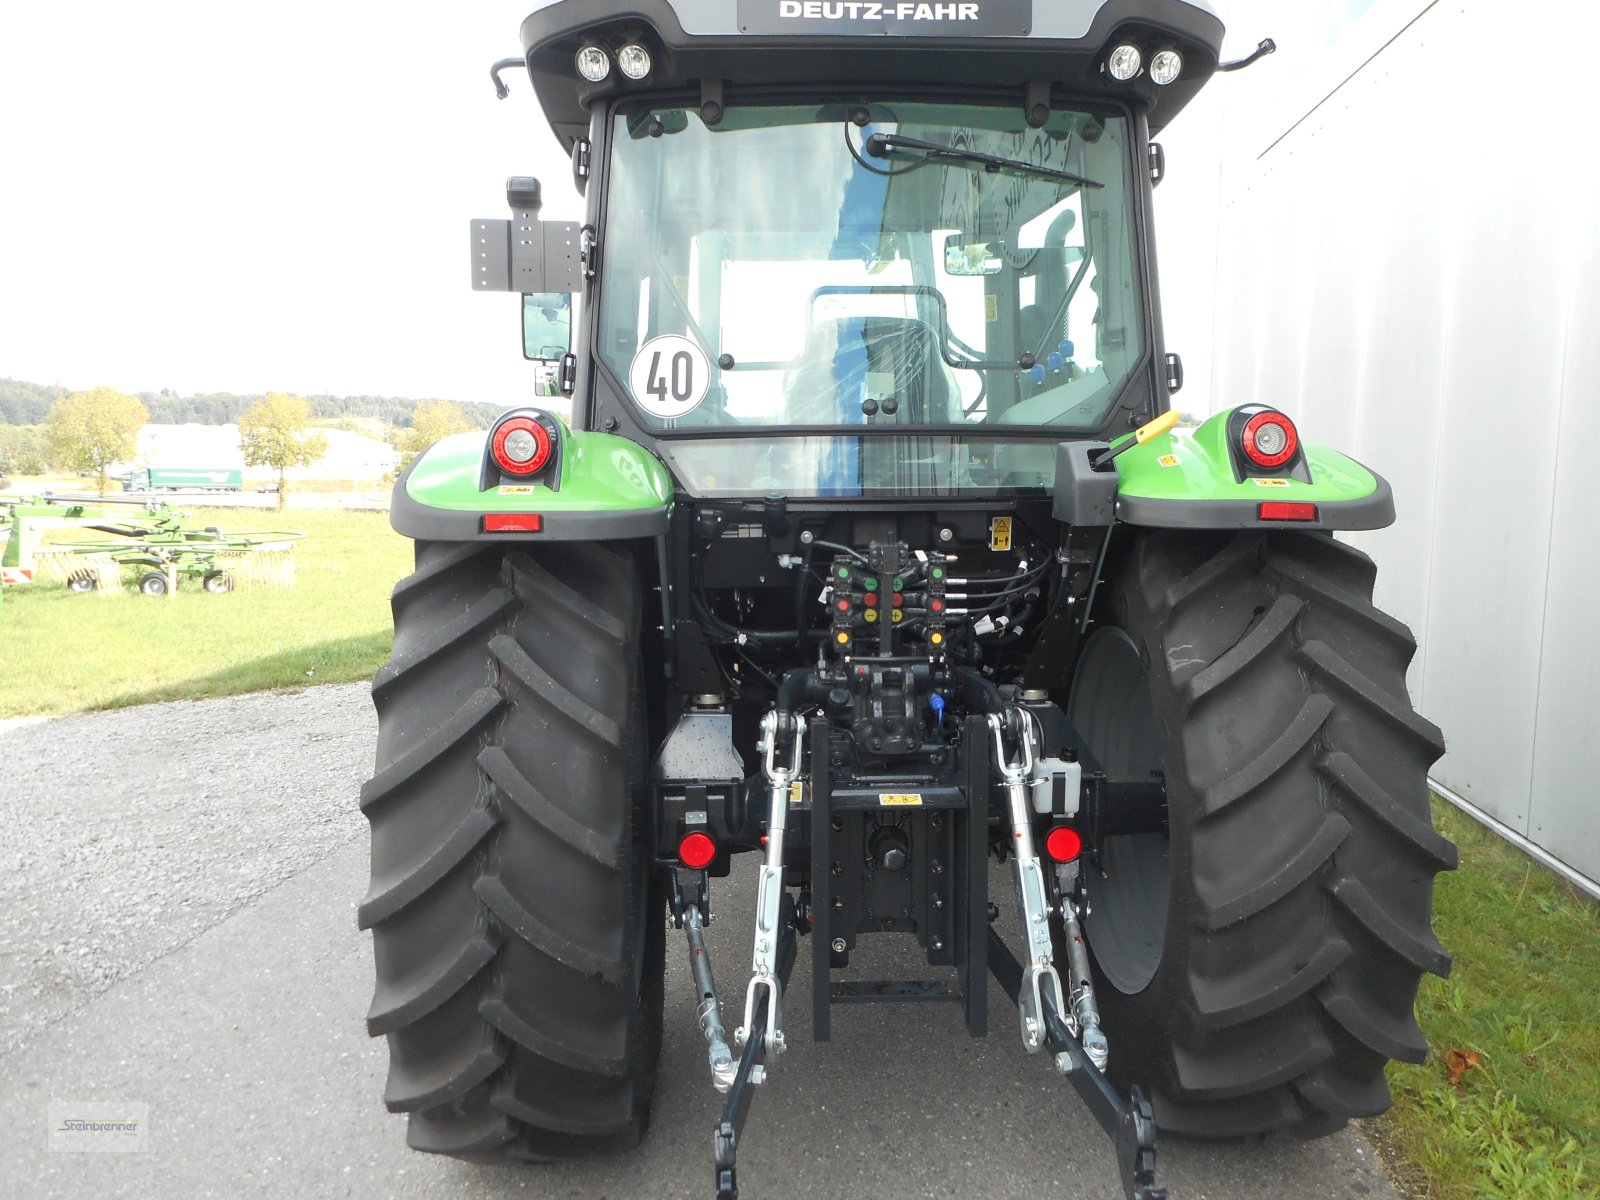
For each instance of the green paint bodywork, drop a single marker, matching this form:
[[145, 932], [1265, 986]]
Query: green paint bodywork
[[1204, 471], [605, 474], [600, 472]]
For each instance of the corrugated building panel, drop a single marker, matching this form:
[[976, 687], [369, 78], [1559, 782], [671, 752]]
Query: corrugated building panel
[[1407, 262]]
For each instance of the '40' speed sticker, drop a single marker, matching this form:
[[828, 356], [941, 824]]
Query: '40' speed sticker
[[669, 376]]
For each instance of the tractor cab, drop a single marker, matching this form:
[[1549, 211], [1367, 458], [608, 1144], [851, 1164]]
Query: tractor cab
[[903, 246]]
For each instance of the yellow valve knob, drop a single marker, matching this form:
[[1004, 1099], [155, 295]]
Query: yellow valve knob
[[1155, 428], [1141, 435]]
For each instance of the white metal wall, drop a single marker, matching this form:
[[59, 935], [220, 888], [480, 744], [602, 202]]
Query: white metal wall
[[1406, 257]]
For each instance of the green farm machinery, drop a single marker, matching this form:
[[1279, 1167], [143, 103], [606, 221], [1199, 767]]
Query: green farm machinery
[[150, 543], [866, 548]]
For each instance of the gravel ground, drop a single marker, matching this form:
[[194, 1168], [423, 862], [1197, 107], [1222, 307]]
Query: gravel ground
[[125, 834], [177, 930]]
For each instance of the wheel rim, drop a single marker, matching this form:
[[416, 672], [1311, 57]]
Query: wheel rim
[[1110, 706]]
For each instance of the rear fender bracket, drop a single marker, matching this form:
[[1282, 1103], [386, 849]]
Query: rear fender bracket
[[1187, 479], [609, 489]]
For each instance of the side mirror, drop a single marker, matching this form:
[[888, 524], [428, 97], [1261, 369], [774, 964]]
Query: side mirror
[[974, 258], [547, 326]]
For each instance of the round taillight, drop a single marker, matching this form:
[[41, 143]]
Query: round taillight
[[1270, 439], [520, 446], [1063, 844], [696, 851]]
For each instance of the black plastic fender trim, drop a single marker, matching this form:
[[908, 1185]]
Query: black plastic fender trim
[[426, 523], [1369, 512]]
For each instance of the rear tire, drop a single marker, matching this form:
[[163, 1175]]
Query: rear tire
[[517, 935], [1257, 969], [153, 583]]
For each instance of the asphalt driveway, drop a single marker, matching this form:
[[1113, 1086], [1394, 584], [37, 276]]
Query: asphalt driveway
[[177, 930]]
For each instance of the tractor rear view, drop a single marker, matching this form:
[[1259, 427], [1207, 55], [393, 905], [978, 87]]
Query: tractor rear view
[[871, 552]]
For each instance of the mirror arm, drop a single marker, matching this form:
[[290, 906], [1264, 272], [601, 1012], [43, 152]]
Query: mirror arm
[[1267, 46], [505, 64]]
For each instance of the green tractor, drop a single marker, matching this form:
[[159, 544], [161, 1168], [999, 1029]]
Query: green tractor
[[871, 550]]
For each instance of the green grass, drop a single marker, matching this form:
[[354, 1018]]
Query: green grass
[[1523, 1122], [63, 653]]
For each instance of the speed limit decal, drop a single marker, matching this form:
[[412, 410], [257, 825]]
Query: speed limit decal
[[670, 376]]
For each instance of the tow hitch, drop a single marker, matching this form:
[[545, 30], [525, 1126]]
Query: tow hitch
[[1056, 1005]]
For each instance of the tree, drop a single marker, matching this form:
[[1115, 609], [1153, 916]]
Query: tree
[[24, 403], [24, 450], [272, 433], [91, 430], [433, 419]]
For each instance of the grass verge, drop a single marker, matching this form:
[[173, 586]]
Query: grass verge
[[63, 653], [1506, 1107]]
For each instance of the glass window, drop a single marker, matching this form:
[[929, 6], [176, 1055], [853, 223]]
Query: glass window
[[871, 267]]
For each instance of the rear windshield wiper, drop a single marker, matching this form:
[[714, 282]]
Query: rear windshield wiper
[[879, 145]]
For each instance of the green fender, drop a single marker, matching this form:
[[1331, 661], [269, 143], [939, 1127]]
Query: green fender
[[1184, 479], [609, 488]]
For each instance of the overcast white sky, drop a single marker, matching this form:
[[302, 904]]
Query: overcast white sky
[[219, 197], [222, 197]]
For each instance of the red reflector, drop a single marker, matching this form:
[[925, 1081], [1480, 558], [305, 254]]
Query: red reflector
[[512, 522], [1283, 510], [1063, 844], [696, 851]]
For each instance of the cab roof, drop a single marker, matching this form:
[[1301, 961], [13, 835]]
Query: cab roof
[[855, 44]]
